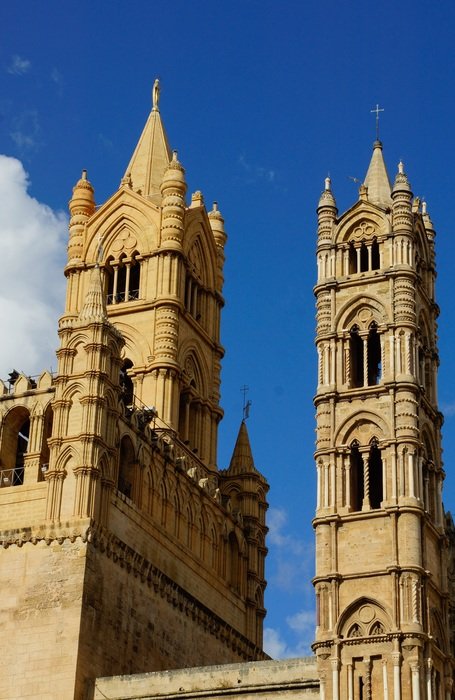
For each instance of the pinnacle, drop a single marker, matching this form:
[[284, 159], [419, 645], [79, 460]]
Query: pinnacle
[[152, 154], [377, 179], [242, 457]]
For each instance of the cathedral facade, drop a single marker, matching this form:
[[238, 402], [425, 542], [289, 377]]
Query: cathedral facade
[[133, 565], [125, 548]]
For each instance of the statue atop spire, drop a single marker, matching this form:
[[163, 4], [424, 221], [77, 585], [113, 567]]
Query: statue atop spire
[[156, 95]]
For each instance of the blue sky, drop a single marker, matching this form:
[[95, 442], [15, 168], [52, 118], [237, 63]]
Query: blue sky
[[262, 99]]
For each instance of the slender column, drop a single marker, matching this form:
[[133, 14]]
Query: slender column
[[429, 672], [347, 466], [394, 474], [385, 680], [320, 366], [127, 281], [357, 250], [319, 477], [370, 260], [350, 682], [415, 677], [346, 261], [383, 356], [365, 361], [366, 484], [332, 482], [335, 663], [392, 357], [322, 686], [326, 485], [367, 683], [396, 657], [411, 474], [333, 360], [115, 284]]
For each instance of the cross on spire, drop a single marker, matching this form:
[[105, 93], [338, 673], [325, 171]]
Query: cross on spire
[[246, 404], [376, 110]]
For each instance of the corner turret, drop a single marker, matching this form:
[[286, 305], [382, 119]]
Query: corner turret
[[81, 206]]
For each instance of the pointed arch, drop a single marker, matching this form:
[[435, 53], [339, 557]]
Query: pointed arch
[[14, 445], [361, 617]]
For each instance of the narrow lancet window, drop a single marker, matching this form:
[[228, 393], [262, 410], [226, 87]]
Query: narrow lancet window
[[374, 355], [375, 474], [357, 477], [356, 348]]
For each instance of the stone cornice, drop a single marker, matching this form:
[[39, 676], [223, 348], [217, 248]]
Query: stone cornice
[[135, 564]]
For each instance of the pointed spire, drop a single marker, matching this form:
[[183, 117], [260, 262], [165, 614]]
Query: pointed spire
[[242, 457], [377, 179], [94, 308], [152, 154]]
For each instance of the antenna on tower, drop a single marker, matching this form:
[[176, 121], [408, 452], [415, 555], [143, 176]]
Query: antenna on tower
[[246, 404]]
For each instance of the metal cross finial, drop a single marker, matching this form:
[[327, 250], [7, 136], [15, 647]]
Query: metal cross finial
[[246, 404], [376, 110]]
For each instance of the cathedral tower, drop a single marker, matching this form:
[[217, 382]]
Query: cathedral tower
[[381, 549], [125, 549]]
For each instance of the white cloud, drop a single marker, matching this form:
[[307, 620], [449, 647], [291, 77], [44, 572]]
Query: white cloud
[[256, 172], [295, 641], [33, 286], [26, 131], [18, 65], [293, 557], [274, 645]]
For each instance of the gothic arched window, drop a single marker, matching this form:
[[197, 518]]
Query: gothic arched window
[[123, 279], [375, 258], [126, 471], [357, 477], [14, 446], [374, 355], [356, 349], [363, 258], [375, 474]]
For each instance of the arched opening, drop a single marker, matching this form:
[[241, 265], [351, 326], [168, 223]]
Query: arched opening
[[233, 562], [375, 257], [375, 473], [126, 383], [121, 280], [357, 477], [352, 259], [109, 278], [45, 452], [15, 437], [363, 258], [374, 355], [134, 281], [126, 471], [356, 351]]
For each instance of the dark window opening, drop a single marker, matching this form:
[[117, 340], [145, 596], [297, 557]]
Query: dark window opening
[[357, 469], [126, 383], [133, 291], [22, 446], [375, 258], [121, 283], [356, 347], [374, 355], [126, 468], [375, 471], [352, 259], [363, 258]]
